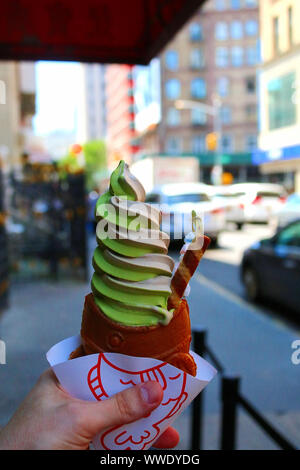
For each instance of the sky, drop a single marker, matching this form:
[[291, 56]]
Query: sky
[[57, 96]]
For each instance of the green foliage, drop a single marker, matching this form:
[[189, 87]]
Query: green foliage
[[95, 162]]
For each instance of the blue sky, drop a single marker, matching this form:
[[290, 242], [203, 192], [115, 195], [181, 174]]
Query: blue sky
[[57, 96]]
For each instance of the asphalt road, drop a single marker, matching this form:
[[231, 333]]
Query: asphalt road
[[251, 341]]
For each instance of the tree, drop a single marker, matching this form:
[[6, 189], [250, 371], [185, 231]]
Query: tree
[[95, 162]]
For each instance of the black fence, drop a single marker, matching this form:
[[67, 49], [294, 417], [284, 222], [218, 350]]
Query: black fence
[[47, 230], [4, 267], [231, 398]]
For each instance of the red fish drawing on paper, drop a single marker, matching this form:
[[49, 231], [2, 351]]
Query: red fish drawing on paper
[[103, 382]]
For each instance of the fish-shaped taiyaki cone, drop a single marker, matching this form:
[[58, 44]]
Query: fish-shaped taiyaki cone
[[169, 343]]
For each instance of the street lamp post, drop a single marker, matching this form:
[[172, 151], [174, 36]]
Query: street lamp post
[[217, 125]]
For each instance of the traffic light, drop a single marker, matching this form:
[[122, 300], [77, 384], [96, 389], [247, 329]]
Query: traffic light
[[211, 141]]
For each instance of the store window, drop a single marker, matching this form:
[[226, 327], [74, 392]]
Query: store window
[[173, 117], [221, 31], [220, 5], [172, 60], [222, 56], [282, 106], [236, 30], [172, 88], [237, 56], [198, 88], [223, 86]]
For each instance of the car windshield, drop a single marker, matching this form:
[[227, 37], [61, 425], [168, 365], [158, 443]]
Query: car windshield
[[269, 194], [192, 197], [229, 195], [294, 199]]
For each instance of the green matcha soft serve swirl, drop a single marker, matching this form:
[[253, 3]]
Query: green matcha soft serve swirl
[[131, 282]]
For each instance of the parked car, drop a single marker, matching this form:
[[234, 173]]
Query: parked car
[[290, 211], [257, 202], [177, 202], [271, 267], [232, 204]]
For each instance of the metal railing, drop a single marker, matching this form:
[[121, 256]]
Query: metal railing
[[231, 398]]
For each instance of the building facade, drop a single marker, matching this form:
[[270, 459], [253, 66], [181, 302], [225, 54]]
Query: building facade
[[279, 137], [214, 57], [120, 113], [17, 108]]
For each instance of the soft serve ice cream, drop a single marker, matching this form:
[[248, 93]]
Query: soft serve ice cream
[[132, 279], [136, 306]]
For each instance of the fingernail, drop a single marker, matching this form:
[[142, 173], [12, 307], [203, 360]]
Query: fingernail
[[150, 392]]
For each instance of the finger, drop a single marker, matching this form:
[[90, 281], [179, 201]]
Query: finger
[[168, 439], [124, 407]]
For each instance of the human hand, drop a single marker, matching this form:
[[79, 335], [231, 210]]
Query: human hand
[[49, 418]]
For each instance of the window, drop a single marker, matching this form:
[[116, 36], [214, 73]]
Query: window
[[198, 144], [173, 117], [235, 4], [252, 56], [251, 143], [236, 30], [223, 86], [226, 143], [237, 56], [173, 145], [172, 88], [221, 31], [196, 59], [282, 107], [251, 111], [225, 114], [221, 56], [198, 88], [251, 28], [290, 236], [251, 3], [171, 59], [250, 83], [220, 5], [276, 35], [195, 32], [290, 25], [198, 117]]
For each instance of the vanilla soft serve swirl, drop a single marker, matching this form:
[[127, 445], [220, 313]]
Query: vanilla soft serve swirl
[[132, 278]]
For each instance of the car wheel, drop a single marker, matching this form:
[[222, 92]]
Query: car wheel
[[251, 283], [239, 225]]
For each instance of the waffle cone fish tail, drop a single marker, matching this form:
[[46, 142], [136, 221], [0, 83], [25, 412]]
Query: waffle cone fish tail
[[188, 263]]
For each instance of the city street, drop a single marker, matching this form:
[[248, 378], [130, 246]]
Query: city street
[[251, 341]]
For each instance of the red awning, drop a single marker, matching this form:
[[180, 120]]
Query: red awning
[[107, 31]]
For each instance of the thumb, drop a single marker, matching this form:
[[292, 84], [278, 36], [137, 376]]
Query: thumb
[[124, 407]]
